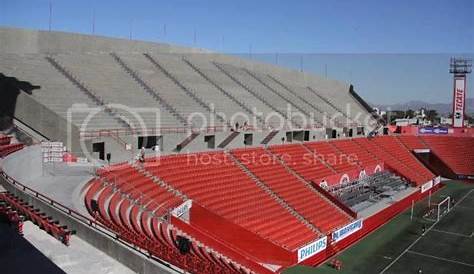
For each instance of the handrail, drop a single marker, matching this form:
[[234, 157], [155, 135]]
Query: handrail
[[209, 129], [334, 200]]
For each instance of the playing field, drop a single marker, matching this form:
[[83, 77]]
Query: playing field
[[399, 246]]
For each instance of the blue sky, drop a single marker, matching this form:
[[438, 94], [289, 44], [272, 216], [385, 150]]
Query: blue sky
[[392, 51]]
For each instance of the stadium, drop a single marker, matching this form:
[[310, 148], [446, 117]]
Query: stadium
[[141, 157]]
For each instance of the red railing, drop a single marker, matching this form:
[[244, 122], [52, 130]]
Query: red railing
[[334, 200]]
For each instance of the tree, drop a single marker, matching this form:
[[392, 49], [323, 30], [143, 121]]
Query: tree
[[410, 113], [432, 115]]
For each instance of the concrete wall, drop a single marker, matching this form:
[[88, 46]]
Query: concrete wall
[[37, 116], [130, 258], [23, 41]]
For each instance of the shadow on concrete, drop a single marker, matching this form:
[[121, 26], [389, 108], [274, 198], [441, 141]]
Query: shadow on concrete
[[18, 256], [10, 88]]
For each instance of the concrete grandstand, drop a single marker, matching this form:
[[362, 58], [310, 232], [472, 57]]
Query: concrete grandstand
[[128, 81], [246, 167]]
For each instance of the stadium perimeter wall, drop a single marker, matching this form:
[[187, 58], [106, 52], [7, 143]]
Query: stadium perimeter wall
[[370, 224]]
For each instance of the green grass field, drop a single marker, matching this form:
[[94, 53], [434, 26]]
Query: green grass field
[[447, 247]]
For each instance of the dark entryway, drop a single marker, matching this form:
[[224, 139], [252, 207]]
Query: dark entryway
[[100, 148]]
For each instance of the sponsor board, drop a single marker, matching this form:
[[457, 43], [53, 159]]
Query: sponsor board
[[426, 186], [182, 209], [347, 230], [433, 130], [459, 101], [312, 249]]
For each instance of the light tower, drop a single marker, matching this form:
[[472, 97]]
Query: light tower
[[459, 67]]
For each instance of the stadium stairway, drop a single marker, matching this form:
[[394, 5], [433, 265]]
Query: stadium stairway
[[269, 137], [294, 191], [226, 93], [228, 139], [186, 141], [233, 73], [154, 93], [114, 86], [197, 99], [311, 106], [274, 195], [56, 93], [302, 161], [288, 98], [133, 210], [235, 196], [336, 109], [340, 162], [265, 195], [92, 94], [158, 238]]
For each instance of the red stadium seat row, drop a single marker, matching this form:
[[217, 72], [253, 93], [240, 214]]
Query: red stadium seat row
[[412, 142], [378, 147], [456, 152], [354, 152], [302, 161], [215, 182], [305, 201], [8, 149], [135, 218], [332, 156], [131, 202], [5, 140], [398, 150]]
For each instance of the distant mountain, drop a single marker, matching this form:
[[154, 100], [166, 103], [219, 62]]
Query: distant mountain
[[442, 108]]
